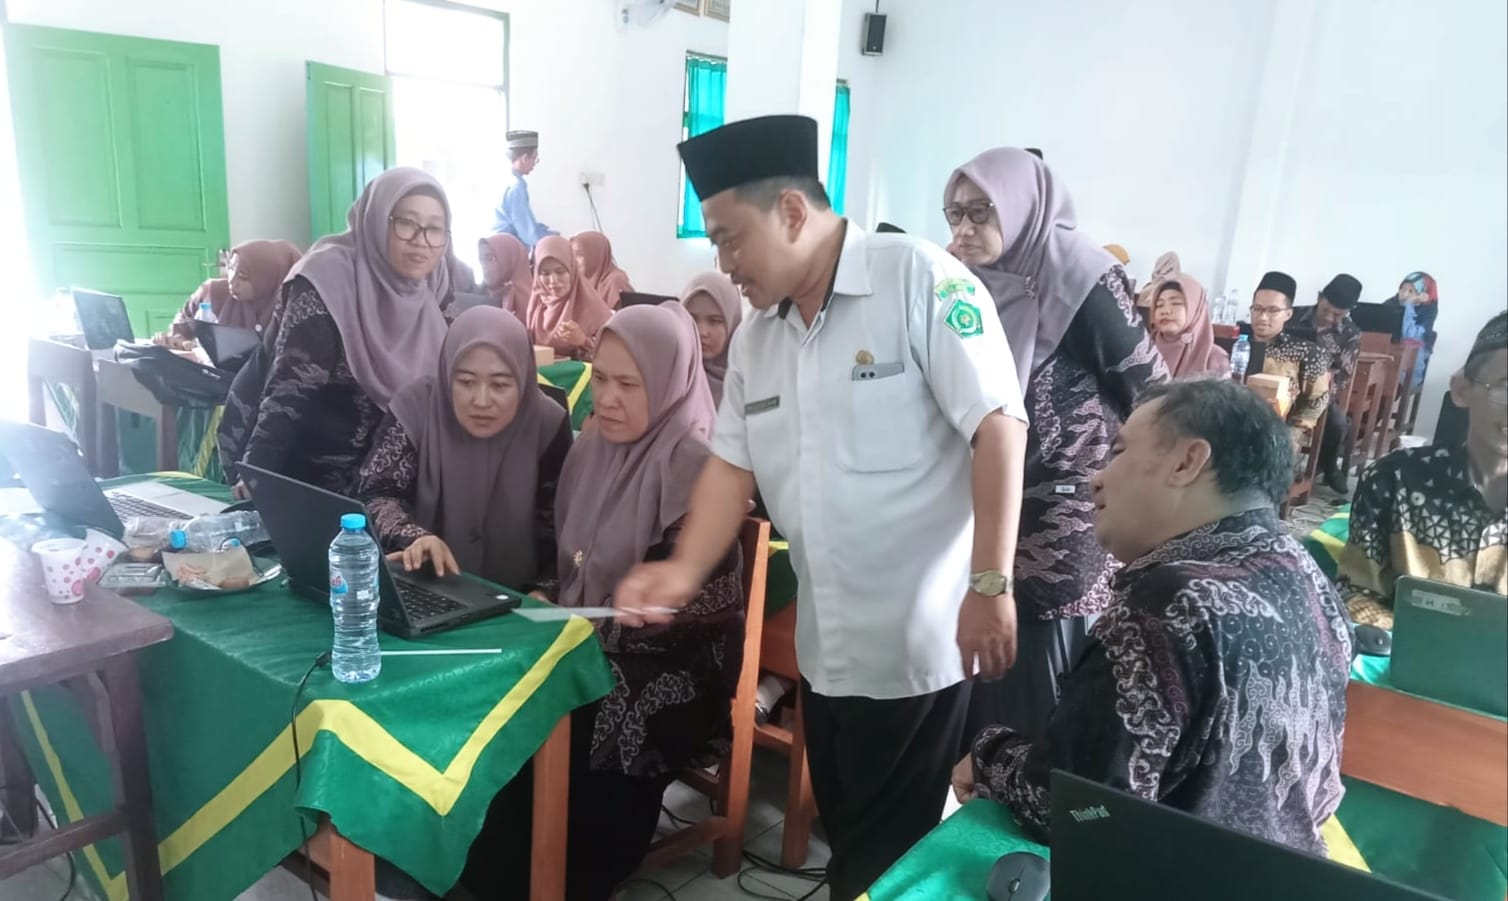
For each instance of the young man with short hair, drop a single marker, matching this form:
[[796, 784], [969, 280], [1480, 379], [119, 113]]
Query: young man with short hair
[[515, 215], [1340, 339], [1299, 359], [1216, 680]]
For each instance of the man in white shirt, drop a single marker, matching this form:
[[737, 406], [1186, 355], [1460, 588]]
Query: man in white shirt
[[873, 398]]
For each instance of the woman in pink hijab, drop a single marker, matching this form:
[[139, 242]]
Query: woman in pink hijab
[[1180, 323], [505, 272], [249, 293], [715, 306], [595, 262], [565, 311], [623, 498]]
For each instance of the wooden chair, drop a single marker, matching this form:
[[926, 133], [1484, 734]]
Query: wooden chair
[[50, 362], [118, 389], [729, 789], [1364, 396], [778, 656], [1303, 482]]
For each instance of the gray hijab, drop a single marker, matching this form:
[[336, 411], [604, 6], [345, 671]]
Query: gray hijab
[[725, 294], [391, 327], [1048, 267], [479, 494]]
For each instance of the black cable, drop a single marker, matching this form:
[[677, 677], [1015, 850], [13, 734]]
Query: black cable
[[809, 873], [596, 219], [668, 893], [73, 870], [298, 771]]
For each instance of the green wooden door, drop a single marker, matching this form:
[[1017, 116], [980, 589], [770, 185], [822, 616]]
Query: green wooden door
[[351, 140], [121, 151]]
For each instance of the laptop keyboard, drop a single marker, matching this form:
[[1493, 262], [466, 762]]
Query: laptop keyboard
[[421, 603], [125, 505]]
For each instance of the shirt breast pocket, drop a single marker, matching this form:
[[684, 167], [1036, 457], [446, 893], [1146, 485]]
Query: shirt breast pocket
[[886, 423]]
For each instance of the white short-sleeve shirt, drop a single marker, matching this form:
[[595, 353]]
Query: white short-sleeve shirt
[[858, 432]]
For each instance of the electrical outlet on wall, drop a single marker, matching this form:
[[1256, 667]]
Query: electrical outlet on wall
[[591, 179]]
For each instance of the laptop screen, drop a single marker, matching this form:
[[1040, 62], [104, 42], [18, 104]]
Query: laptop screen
[[102, 317]]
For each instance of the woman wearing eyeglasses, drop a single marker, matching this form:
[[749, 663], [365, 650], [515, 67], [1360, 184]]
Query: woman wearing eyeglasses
[[565, 311], [360, 319], [1083, 356]]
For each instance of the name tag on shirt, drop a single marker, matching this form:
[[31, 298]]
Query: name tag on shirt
[[762, 406], [1065, 489]]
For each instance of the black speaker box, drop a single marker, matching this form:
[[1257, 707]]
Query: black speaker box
[[874, 34]]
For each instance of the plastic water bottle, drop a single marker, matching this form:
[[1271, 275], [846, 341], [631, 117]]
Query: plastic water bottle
[[206, 313], [1240, 357], [218, 531], [354, 558]]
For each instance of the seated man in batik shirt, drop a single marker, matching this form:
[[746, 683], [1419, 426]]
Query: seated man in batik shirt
[[1216, 680], [1438, 512]]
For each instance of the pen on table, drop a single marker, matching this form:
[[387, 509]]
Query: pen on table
[[442, 652]]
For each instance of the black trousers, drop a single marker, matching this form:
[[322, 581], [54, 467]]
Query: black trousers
[[1336, 426], [880, 775]]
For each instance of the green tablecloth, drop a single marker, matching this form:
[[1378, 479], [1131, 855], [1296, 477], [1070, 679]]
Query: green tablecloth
[[575, 379], [955, 859], [1325, 543], [405, 766]]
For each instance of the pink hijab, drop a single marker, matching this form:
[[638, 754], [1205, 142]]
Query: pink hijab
[[1167, 266], [479, 494], [1048, 267], [513, 260], [616, 501], [391, 327], [582, 304], [725, 294], [1193, 351], [599, 268]]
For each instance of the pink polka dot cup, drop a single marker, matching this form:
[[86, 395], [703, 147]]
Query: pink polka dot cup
[[64, 570]]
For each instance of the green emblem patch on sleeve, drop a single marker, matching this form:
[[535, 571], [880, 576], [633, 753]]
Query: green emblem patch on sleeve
[[962, 316]]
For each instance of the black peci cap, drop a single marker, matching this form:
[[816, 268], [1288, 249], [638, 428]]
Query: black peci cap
[[1343, 291], [1280, 282], [751, 150]]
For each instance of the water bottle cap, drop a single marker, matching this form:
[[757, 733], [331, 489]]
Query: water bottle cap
[[353, 522], [204, 305], [178, 539], [232, 542]]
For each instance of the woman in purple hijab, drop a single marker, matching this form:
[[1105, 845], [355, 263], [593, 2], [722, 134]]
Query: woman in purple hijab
[[465, 466], [360, 318], [623, 496], [1083, 356]]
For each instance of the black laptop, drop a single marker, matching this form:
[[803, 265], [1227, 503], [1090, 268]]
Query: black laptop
[[1109, 844], [227, 346], [640, 299], [102, 317], [1379, 317], [302, 520]]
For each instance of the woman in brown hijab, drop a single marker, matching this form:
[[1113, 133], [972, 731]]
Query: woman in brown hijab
[[505, 273], [361, 318], [463, 472], [595, 262], [248, 294], [565, 311]]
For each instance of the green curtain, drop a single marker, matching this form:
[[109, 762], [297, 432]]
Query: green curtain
[[837, 161], [706, 92]]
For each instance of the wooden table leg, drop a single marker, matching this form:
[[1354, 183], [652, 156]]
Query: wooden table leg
[[352, 870], [139, 841], [552, 795]]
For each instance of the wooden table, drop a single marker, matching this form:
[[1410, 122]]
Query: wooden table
[[90, 647]]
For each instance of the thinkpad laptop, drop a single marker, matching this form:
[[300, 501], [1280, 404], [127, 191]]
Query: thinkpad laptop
[[302, 520], [102, 317], [1451, 644], [1109, 844], [48, 462]]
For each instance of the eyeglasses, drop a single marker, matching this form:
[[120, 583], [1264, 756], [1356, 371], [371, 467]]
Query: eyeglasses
[[1497, 393], [978, 212], [1263, 312], [406, 229]]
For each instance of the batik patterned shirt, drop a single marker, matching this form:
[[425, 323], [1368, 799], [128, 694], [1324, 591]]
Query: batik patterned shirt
[[1214, 683], [1342, 345], [1307, 368], [1417, 512]]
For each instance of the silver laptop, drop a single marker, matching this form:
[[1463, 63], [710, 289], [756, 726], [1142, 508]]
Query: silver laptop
[[49, 464]]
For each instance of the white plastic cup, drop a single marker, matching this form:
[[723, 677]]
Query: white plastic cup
[[64, 568]]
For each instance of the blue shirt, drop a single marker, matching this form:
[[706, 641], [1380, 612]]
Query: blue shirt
[[515, 217]]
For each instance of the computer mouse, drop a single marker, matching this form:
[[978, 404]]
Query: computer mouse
[[1020, 876], [1373, 640]]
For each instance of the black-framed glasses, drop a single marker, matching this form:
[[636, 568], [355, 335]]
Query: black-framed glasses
[[435, 236], [978, 212], [1263, 312]]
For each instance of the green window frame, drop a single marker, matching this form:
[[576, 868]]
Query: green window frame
[[702, 109], [837, 160]]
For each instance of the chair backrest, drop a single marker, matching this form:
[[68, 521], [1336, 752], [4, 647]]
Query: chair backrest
[[754, 539], [51, 362]]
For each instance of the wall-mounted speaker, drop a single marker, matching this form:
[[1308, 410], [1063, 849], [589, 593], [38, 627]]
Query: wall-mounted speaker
[[874, 34]]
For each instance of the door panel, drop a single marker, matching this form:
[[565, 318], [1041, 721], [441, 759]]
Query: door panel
[[351, 140], [121, 152]]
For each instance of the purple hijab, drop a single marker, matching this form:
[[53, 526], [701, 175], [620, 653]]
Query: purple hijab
[[391, 327], [479, 494], [617, 500], [1048, 268], [725, 294]]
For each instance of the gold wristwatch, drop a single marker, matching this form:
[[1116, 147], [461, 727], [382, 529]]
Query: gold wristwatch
[[991, 583]]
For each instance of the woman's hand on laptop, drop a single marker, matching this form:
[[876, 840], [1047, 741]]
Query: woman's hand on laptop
[[240, 492], [427, 549]]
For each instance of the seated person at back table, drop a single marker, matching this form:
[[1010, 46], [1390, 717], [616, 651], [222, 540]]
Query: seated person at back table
[[245, 298], [1302, 360], [624, 494], [1181, 328], [1216, 680], [1438, 512], [565, 312], [1340, 338], [464, 469]]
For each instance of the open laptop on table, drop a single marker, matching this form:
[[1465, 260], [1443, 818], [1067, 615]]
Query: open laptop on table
[[227, 346], [302, 520], [49, 464], [1109, 844], [1451, 644], [102, 317], [641, 299]]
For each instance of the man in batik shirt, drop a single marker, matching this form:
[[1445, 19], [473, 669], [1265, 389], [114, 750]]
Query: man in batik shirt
[[1216, 681], [1299, 358], [1340, 340]]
